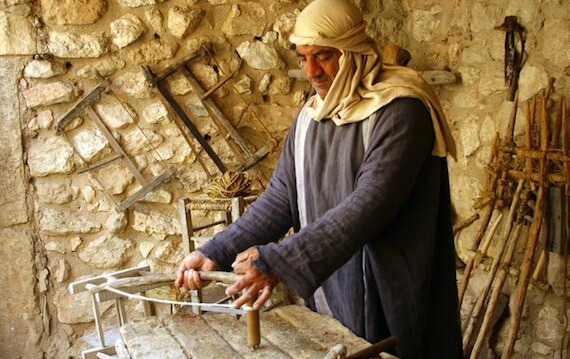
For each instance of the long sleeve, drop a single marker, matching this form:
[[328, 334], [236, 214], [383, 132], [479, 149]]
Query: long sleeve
[[266, 220]]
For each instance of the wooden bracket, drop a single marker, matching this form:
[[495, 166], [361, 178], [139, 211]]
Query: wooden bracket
[[235, 142], [84, 107]]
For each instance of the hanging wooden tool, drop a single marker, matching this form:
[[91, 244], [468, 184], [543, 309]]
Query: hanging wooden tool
[[235, 142], [84, 107], [514, 53]]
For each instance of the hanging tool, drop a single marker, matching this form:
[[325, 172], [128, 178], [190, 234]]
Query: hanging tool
[[514, 53]]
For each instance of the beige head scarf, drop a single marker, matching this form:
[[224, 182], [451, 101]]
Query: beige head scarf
[[363, 84]]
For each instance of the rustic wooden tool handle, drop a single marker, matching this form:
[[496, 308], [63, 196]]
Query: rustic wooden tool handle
[[224, 277], [375, 349]]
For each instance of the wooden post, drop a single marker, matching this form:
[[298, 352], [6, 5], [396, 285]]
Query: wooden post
[[252, 324]]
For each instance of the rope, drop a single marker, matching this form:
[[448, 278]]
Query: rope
[[231, 184], [107, 286]]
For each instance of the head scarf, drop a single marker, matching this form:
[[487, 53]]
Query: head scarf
[[363, 84]]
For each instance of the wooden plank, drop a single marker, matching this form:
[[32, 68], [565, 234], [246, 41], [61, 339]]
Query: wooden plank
[[309, 323], [234, 333], [147, 338], [92, 353], [220, 120], [116, 146], [79, 286], [198, 338], [146, 189], [288, 339], [186, 226], [78, 109]]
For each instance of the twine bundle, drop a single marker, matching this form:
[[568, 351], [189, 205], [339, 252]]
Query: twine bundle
[[231, 184]]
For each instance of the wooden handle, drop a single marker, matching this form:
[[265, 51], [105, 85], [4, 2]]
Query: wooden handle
[[224, 277], [252, 324]]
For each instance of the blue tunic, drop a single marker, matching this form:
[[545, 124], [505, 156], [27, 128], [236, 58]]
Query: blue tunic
[[378, 236]]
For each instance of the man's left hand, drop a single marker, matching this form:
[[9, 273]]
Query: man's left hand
[[253, 281]]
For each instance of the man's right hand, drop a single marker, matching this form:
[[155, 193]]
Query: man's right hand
[[187, 274]]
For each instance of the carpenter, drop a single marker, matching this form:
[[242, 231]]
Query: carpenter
[[362, 179]]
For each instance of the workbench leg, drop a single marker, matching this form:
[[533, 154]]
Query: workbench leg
[[121, 312], [97, 315]]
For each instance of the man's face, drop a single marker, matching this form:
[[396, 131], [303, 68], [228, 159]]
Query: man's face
[[320, 64]]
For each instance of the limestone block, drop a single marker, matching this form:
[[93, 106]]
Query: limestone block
[[126, 30], [155, 20], [50, 191], [533, 78], [260, 56], [158, 195], [107, 252], [116, 115], [76, 308], [50, 94], [264, 83], [179, 84], [145, 248], [549, 327], [57, 223], [89, 143], [169, 252], [137, 141], [19, 316], [155, 113], [426, 23], [470, 136], [243, 85], [281, 85], [13, 179], [138, 3], [71, 45], [17, 35], [115, 178], [205, 75], [52, 155], [156, 224], [43, 120], [195, 106], [183, 21], [116, 222], [153, 52], [74, 243], [88, 193], [284, 26], [72, 12], [62, 271], [104, 67], [56, 246], [44, 69], [245, 18], [133, 84]]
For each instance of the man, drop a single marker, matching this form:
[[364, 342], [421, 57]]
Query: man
[[363, 181]]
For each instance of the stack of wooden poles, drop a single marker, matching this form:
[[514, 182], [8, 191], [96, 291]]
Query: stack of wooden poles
[[515, 201]]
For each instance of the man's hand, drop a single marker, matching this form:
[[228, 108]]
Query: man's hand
[[253, 280], [187, 274]]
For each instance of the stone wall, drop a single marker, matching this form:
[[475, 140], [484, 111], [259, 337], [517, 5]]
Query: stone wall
[[60, 224]]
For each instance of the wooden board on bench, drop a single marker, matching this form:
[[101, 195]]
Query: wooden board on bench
[[287, 332]]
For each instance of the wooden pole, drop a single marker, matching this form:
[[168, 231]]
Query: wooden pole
[[496, 293], [499, 249], [491, 180], [526, 266]]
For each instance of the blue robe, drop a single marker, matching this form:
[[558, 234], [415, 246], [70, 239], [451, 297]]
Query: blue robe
[[378, 234]]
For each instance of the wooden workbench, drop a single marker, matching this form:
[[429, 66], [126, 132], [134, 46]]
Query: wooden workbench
[[287, 332]]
